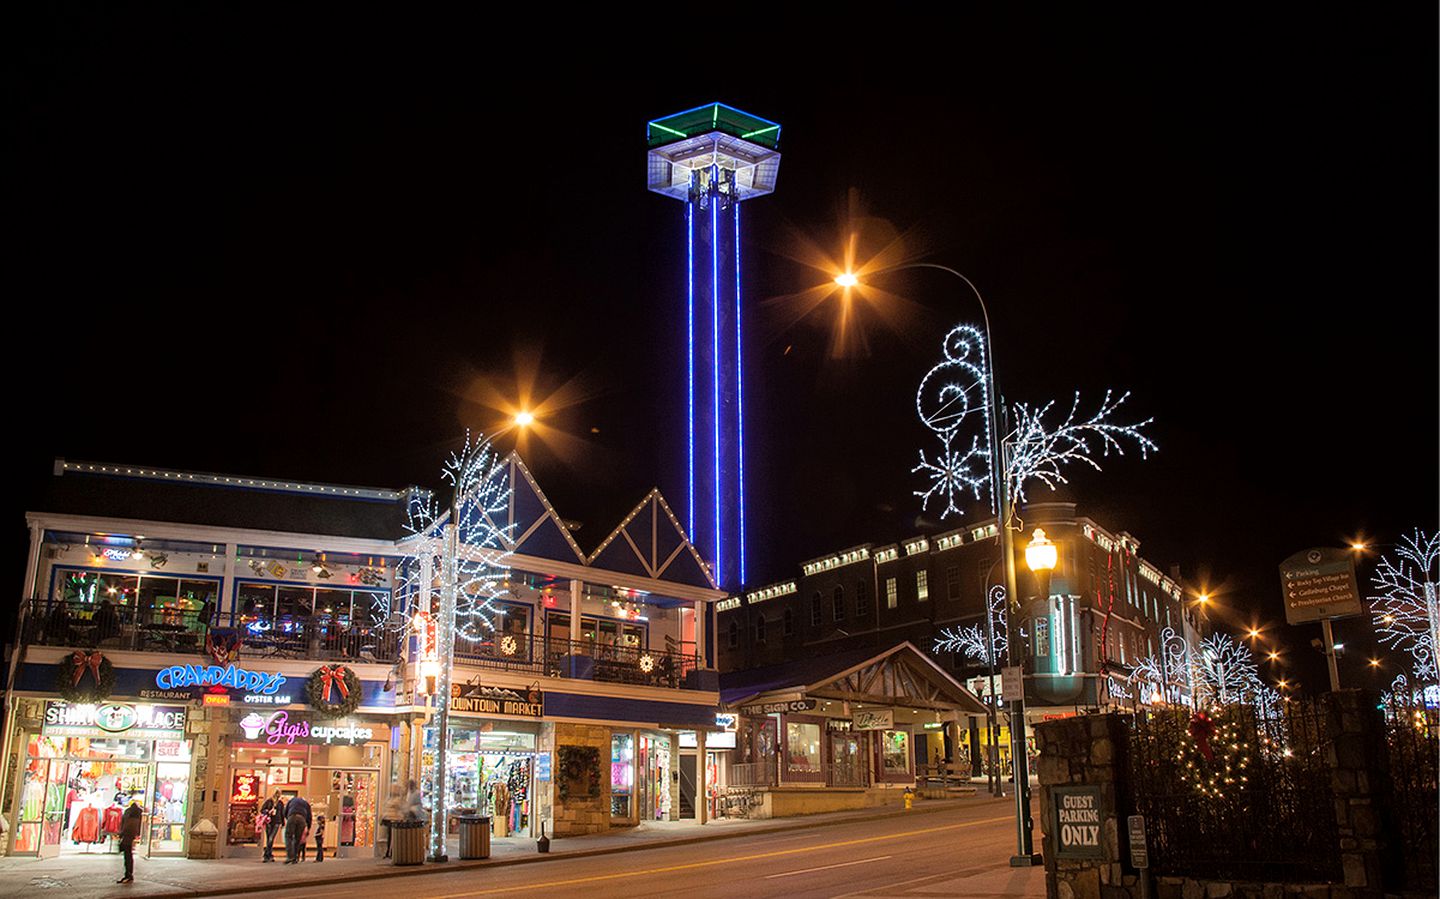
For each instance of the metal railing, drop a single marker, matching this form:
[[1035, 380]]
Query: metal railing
[[578, 659], [126, 627], [752, 774]]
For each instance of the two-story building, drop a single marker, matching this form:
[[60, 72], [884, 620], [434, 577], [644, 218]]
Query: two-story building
[[1107, 610], [197, 642]]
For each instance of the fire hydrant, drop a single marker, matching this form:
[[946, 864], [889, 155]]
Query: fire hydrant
[[909, 798]]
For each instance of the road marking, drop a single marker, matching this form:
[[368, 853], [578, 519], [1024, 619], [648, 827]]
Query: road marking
[[862, 861], [720, 861]]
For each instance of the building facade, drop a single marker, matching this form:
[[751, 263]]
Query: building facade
[[197, 642], [1108, 610]]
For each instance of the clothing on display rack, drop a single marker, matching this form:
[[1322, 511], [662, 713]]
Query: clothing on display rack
[[87, 825]]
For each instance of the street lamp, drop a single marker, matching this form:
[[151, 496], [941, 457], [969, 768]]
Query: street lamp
[[1025, 855]]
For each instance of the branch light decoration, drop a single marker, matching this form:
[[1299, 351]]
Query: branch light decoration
[[970, 639], [481, 571], [1404, 600], [955, 388]]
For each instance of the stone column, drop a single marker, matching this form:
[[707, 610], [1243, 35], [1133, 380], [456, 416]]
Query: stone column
[[1089, 751], [1357, 761]]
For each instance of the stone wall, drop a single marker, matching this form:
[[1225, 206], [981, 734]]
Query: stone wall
[[579, 815], [1091, 751]]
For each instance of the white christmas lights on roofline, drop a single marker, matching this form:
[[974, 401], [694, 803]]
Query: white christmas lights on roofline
[[193, 477], [770, 592], [888, 554], [848, 557], [916, 546]]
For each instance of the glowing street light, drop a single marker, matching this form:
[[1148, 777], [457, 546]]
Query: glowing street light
[[846, 279], [524, 418]]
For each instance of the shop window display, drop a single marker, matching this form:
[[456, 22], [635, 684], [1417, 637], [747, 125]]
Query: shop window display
[[74, 790], [802, 747], [489, 773], [895, 751], [622, 774], [655, 777]]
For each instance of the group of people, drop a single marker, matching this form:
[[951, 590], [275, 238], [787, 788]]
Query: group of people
[[299, 824]]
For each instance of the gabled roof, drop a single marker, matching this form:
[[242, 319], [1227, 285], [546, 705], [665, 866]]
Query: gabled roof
[[901, 675], [650, 542], [531, 526]]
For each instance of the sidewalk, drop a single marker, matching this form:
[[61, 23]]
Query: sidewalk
[[84, 877]]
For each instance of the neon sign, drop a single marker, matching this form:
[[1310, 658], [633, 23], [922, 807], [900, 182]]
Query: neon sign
[[279, 728], [178, 677]]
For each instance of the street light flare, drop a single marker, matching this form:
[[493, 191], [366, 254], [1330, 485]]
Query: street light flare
[[524, 418], [846, 279]]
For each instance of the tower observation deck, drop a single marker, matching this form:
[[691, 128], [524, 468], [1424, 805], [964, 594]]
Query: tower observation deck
[[712, 158]]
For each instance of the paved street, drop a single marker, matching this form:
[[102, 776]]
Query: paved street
[[957, 852]]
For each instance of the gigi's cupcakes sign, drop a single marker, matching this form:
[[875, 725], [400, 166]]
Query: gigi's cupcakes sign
[[284, 729]]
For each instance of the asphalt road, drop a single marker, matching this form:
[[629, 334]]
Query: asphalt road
[[960, 852]]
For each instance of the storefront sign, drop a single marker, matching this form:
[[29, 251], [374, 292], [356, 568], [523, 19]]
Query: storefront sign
[[181, 676], [839, 725], [726, 721], [285, 729], [475, 700], [133, 721], [880, 719], [215, 699], [776, 708], [1078, 815]]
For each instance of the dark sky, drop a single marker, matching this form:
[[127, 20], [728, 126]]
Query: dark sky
[[289, 247]]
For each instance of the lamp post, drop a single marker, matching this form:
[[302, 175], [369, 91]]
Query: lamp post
[[1025, 855]]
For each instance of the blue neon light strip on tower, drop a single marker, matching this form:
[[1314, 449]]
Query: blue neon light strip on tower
[[690, 340], [715, 352], [739, 398]]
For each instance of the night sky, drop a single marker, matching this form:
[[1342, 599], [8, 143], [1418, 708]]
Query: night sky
[[319, 248]]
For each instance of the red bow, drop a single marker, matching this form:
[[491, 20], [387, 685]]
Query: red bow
[[1202, 729], [81, 661], [333, 676]]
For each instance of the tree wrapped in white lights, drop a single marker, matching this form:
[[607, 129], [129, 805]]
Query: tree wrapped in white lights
[[464, 550], [1225, 671], [1403, 607], [956, 388], [1168, 672], [970, 640]]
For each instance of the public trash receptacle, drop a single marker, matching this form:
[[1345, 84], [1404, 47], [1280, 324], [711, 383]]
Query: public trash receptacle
[[474, 836], [409, 839]]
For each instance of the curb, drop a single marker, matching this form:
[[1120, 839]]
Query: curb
[[389, 871]]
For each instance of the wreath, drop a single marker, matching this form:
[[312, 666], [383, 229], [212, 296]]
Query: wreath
[[334, 690], [579, 765], [85, 677]]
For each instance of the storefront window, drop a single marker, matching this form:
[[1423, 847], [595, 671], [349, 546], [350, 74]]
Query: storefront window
[[895, 751], [655, 777], [622, 774], [489, 772], [802, 747], [341, 782]]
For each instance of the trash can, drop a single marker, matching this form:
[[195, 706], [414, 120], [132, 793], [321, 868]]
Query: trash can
[[409, 839], [474, 836]]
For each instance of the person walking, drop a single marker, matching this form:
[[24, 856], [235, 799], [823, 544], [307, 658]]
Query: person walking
[[273, 811], [297, 822], [129, 832]]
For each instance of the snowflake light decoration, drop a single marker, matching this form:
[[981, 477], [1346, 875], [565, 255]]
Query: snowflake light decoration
[[1168, 672], [1404, 606], [959, 385]]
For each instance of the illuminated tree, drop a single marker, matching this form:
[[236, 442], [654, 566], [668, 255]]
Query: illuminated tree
[[1225, 671], [1403, 608]]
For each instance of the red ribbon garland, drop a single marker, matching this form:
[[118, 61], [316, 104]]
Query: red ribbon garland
[[1202, 729], [80, 661], [333, 676]]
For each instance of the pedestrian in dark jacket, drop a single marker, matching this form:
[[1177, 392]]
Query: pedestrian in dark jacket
[[130, 823], [319, 838], [297, 822], [274, 811]]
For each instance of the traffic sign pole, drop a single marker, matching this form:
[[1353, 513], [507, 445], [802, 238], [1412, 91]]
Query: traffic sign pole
[[1329, 636]]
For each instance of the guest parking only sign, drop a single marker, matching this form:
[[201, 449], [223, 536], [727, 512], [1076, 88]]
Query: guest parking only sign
[[1079, 817]]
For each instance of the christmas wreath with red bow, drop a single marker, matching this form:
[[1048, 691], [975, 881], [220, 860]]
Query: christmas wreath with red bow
[[334, 690], [85, 676]]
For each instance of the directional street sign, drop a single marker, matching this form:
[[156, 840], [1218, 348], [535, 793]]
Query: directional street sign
[[1318, 584]]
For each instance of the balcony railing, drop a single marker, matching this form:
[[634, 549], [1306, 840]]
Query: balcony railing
[[327, 638], [752, 774], [579, 659], [125, 627]]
